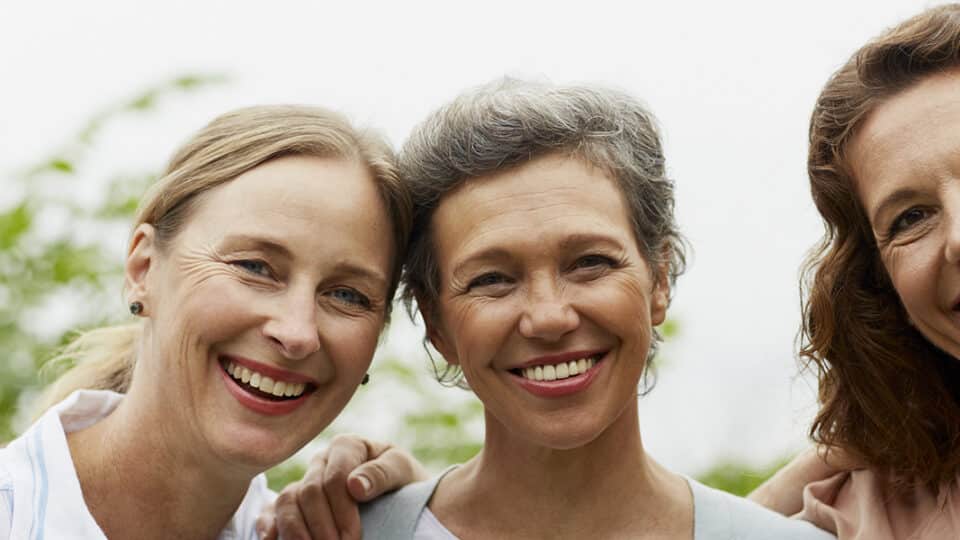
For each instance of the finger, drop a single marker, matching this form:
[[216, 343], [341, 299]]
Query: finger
[[288, 518], [266, 523], [315, 511], [392, 469], [344, 454]]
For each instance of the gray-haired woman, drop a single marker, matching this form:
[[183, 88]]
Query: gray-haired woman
[[542, 258]]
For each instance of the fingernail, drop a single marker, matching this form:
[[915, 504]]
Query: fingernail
[[365, 483]]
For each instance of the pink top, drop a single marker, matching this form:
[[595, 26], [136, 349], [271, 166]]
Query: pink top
[[855, 506]]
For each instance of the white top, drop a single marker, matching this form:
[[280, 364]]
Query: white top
[[40, 494]]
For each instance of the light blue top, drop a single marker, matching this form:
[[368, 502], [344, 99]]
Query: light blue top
[[717, 515]]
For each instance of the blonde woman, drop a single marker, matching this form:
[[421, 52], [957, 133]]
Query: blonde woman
[[261, 267]]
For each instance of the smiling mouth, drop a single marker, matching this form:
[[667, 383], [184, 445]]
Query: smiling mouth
[[263, 387], [561, 371]]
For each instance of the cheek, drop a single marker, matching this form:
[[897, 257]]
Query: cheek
[[621, 306], [350, 342], [481, 326], [218, 309], [913, 270]]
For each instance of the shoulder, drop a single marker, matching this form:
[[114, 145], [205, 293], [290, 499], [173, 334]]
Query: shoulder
[[244, 521], [718, 514], [6, 502], [395, 515]]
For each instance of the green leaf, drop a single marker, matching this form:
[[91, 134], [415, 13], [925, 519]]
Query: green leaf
[[62, 165], [738, 478], [285, 473], [144, 101], [669, 328], [13, 224]]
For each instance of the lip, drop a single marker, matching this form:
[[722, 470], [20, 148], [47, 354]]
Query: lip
[[562, 387], [560, 358], [273, 372], [258, 404]]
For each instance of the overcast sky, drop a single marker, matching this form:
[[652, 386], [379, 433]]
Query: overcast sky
[[732, 83]]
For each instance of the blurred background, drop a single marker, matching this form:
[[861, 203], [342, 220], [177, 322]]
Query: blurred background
[[96, 95]]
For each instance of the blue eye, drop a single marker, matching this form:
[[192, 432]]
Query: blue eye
[[252, 266], [351, 297]]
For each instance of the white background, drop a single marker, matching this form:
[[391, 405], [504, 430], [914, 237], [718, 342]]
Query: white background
[[732, 83]]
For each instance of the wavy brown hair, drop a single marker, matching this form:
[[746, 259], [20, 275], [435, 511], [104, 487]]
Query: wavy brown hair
[[888, 396]]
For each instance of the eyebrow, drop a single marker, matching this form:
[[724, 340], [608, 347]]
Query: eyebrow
[[270, 246], [895, 198], [242, 241], [573, 241]]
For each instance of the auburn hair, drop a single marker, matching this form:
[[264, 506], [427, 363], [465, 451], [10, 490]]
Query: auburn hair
[[888, 396]]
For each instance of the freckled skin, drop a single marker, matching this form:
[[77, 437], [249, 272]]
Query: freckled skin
[[910, 145], [553, 296], [202, 304]]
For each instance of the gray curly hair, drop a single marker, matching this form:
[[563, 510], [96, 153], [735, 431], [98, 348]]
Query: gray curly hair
[[510, 122]]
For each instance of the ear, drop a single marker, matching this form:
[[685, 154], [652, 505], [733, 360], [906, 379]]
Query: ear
[[141, 256], [435, 331], [660, 298]]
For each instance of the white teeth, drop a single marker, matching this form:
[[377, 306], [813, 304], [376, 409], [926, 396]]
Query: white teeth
[[264, 383], [558, 371], [549, 373]]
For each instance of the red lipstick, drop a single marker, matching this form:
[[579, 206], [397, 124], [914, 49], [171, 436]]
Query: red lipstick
[[560, 387], [260, 404], [273, 372]]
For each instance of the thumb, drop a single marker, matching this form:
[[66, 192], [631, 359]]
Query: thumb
[[390, 470]]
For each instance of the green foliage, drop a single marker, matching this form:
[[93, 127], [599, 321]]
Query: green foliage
[[41, 262], [285, 473], [739, 478]]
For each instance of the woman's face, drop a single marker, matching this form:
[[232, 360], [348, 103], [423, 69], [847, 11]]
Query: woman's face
[[264, 311], [906, 162], [546, 303]]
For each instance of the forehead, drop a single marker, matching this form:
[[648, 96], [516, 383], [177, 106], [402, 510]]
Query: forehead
[[913, 134], [303, 200], [547, 196]]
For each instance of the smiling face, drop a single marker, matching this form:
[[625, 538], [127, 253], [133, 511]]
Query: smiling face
[[265, 309], [906, 162], [545, 301]]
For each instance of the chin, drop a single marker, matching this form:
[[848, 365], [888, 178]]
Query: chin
[[258, 449]]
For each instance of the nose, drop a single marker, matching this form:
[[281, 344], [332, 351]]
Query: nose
[[293, 327], [547, 314], [952, 222]]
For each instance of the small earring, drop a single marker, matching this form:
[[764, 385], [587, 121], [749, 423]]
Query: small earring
[[136, 307], [366, 378]]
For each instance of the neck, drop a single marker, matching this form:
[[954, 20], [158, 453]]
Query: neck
[[608, 487], [140, 479]]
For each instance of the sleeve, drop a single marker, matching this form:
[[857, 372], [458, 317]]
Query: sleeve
[[6, 506]]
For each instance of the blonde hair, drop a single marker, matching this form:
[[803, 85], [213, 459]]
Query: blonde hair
[[229, 146]]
